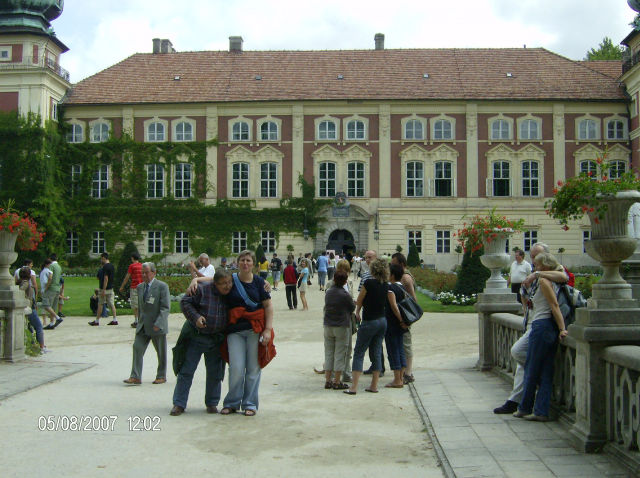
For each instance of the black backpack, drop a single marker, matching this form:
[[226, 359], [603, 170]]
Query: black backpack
[[569, 299]]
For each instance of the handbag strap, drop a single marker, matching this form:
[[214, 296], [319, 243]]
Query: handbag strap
[[243, 293]]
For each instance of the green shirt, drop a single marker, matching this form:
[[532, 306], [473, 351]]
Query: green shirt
[[55, 278]]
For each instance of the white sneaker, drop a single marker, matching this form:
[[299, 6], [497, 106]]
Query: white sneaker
[[44, 350]]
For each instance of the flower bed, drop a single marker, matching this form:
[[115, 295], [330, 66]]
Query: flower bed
[[449, 298]]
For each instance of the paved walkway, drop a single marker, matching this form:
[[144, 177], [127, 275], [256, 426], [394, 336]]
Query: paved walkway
[[304, 430]]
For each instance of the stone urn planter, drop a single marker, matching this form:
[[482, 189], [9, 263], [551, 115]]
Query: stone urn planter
[[610, 244], [495, 259], [7, 256]]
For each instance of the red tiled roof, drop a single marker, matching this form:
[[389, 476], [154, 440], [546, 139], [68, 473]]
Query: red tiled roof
[[612, 68], [466, 74]]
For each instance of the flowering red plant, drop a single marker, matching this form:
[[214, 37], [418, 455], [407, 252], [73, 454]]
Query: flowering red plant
[[485, 229], [28, 235], [582, 194]]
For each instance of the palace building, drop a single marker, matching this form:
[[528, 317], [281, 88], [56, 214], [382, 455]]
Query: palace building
[[406, 142]]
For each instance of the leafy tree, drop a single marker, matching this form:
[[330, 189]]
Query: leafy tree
[[472, 275], [606, 51], [414, 258], [259, 253]]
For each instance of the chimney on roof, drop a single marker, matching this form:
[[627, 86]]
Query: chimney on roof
[[379, 39], [156, 46], [166, 46], [235, 44]]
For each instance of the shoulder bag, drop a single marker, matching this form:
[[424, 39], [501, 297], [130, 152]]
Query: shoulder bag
[[410, 311]]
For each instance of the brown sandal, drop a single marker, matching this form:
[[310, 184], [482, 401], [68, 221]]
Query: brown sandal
[[227, 411], [339, 386], [328, 385], [250, 413]]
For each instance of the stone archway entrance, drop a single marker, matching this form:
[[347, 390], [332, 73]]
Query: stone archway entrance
[[341, 241]]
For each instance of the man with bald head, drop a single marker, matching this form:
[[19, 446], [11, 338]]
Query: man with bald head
[[519, 349], [206, 269]]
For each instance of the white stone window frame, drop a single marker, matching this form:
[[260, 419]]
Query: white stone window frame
[[269, 180], [433, 123], [102, 137], [241, 181], [510, 124], [73, 134], [414, 154], [9, 53], [353, 154], [345, 125], [268, 241], [181, 237], [588, 153], [175, 180], [491, 178], [529, 153], [336, 123], [521, 120], [154, 122], [320, 180], [442, 153], [363, 179], [155, 180], [625, 128], [443, 236], [267, 154], [154, 242], [240, 119], [269, 119], [422, 121], [174, 129], [598, 128]]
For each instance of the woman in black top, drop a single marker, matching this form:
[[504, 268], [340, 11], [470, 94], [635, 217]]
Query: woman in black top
[[373, 298], [395, 327]]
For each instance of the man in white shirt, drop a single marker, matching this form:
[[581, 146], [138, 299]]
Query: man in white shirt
[[520, 269], [207, 269]]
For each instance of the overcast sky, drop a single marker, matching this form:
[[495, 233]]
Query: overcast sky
[[100, 34]]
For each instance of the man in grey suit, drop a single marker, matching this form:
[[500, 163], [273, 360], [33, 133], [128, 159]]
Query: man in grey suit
[[153, 324]]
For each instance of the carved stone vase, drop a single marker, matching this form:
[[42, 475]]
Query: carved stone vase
[[7, 256], [610, 244], [495, 259]]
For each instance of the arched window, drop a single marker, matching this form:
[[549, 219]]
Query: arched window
[[355, 130], [240, 131], [615, 129], [269, 131], [413, 129], [590, 168], [99, 132], [500, 129], [155, 132], [442, 129], [184, 131], [617, 169], [587, 129], [75, 134], [529, 130], [327, 130]]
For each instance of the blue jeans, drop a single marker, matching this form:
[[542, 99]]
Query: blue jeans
[[538, 369], [201, 344], [370, 335], [395, 351], [322, 277], [244, 371], [36, 323]]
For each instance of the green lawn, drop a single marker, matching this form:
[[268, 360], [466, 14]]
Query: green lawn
[[79, 289], [429, 305]]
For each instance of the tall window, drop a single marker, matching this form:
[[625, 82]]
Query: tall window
[[442, 129], [99, 132], [154, 242], [240, 131], [268, 241], [413, 129], [587, 167], [530, 178], [355, 129], [98, 244], [268, 131], [75, 134], [240, 180], [327, 181], [617, 169], [587, 129], [155, 132], [155, 181], [100, 182], [415, 237], [239, 242], [183, 180], [355, 180], [182, 242], [443, 242], [268, 180], [184, 131], [415, 179], [501, 181], [586, 236], [500, 129], [327, 130], [530, 238], [615, 129], [76, 174], [443, 179], [72, 242], [529, 129]]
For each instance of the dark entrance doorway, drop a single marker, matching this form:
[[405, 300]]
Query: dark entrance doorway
[[341, 241]]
